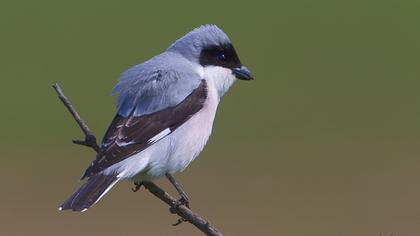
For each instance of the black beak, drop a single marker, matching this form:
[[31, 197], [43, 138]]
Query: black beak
[[242, 73]]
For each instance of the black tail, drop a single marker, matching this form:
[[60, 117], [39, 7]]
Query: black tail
[[90, 193]]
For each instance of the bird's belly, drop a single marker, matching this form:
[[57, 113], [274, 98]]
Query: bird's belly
[[174, 152], [181, 147]]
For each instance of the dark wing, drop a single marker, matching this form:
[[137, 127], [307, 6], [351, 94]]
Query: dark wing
[[129, 135]]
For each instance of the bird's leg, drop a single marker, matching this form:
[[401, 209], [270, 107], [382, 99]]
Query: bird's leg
[[137, 186], [185, 200]]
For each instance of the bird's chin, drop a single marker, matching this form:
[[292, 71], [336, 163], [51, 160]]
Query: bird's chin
[[222, 78]]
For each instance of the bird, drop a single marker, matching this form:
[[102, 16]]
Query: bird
[[166, 107]]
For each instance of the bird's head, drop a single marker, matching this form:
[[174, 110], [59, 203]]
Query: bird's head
[[210, 47]]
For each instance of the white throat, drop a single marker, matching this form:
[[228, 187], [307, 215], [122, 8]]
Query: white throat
[[218, 77]]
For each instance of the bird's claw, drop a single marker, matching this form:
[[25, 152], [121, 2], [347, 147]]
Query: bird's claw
[[173, 208], [184, 200], [137, 186], [176, 205], [180, 220]]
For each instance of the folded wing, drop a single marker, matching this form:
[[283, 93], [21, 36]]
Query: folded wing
[[131, 134]]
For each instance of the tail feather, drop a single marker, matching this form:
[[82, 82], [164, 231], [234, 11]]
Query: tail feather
[[90, 192]]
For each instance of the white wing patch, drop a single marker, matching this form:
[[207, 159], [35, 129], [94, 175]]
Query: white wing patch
[[160, 135], [123, 144]]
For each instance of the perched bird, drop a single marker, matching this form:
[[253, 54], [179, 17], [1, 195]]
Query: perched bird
[[165, 112]]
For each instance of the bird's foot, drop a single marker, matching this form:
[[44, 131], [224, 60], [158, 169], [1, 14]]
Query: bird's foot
[[137, 186], [184, 200]]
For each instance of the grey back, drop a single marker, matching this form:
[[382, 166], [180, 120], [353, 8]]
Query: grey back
[[161, 82]]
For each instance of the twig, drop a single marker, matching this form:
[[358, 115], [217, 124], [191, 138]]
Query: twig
[[90, 139], [175, 208]]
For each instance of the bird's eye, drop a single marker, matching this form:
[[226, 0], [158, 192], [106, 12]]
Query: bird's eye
[[222, 57]]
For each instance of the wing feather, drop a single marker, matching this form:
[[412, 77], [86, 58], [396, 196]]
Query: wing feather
[[132, 134]]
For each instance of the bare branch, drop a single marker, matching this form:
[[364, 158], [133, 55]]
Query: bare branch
[[181, 210], [175, 207], [90, 139]]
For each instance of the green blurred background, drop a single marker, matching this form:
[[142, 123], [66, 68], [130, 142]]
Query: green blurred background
[[325, 141]]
